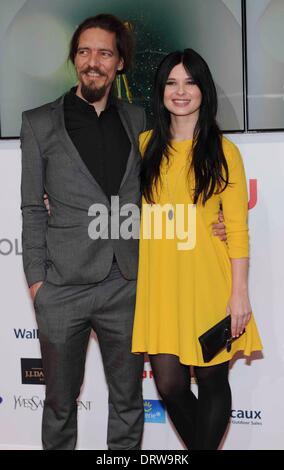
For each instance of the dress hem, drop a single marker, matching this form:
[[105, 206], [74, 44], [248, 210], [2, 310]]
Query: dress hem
[[193, 363]]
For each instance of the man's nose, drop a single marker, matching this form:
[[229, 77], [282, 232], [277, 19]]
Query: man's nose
[[94, 59]]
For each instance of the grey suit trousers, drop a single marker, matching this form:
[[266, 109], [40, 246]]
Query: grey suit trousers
[[66, 315]]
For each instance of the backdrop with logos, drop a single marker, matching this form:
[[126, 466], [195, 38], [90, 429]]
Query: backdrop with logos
[[257, 384]]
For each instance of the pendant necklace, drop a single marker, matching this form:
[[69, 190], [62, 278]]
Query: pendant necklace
[[171, 210]]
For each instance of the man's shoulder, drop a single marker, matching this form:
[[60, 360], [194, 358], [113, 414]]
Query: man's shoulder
[[130, 107], [43, 109], [136, 115]]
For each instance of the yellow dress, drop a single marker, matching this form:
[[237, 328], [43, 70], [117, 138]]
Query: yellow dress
[[183, 292]]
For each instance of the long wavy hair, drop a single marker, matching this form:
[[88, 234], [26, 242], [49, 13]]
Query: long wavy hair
[[208, 161]]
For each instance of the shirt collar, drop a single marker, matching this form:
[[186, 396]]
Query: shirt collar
[[75, 100]]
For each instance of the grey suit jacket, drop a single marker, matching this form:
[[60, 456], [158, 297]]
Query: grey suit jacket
[[58, 247]]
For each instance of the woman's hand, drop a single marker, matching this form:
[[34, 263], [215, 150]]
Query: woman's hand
[[219, 229], [240, 310], [46, 203]]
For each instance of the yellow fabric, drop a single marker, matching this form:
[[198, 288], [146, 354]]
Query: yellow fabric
[[182, 293]]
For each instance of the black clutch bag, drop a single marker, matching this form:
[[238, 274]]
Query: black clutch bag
[[216, 338]]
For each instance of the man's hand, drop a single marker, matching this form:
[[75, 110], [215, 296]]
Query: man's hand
[[34, 288], [46, 203], [219, 229]]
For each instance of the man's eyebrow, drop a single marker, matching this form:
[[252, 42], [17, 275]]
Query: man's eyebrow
[[99, 48], [105, 49]]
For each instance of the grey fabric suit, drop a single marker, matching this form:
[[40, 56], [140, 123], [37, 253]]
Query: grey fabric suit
[[82, 288]]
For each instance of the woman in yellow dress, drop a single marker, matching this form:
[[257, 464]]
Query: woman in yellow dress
[[188, 279]]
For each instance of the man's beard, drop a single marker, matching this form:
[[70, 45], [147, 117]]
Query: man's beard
[[91, 93]]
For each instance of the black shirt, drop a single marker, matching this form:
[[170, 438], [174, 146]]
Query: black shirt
[[101, 141]]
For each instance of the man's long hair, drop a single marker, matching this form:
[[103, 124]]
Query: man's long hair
[[124, 37]]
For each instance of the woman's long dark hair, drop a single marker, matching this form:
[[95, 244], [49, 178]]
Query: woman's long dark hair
[[208, 160]]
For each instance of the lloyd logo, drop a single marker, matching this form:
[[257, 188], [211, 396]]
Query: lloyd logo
[[32, 372], [10, 246]]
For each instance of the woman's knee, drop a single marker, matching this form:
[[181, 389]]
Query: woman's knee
[[213, 377], [168, 388]]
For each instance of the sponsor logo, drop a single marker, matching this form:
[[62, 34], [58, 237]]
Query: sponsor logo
[[246, 417], [86, 405], [33, 403], [154, 411], [8, 247], [36, 403], [148, 374], [32, 372], [23, 333], [252, 193]]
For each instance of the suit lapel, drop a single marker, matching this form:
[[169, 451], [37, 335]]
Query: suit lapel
[[71, 151], [69, 147], [125, 119]]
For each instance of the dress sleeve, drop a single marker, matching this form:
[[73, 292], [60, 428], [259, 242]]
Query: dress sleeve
[[143, 140], [235, 204]]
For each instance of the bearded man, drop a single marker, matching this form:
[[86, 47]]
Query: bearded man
[[82, 150]]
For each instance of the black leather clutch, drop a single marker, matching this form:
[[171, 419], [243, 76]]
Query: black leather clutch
[[216, 338]]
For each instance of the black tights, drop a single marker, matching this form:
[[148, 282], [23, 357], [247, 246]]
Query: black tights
[[201, 422]]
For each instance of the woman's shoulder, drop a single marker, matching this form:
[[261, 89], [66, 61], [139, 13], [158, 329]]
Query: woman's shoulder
[[229, 146], [231, 151], [144, 138]]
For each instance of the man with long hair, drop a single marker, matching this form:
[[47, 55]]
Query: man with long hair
[[82, 150]]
